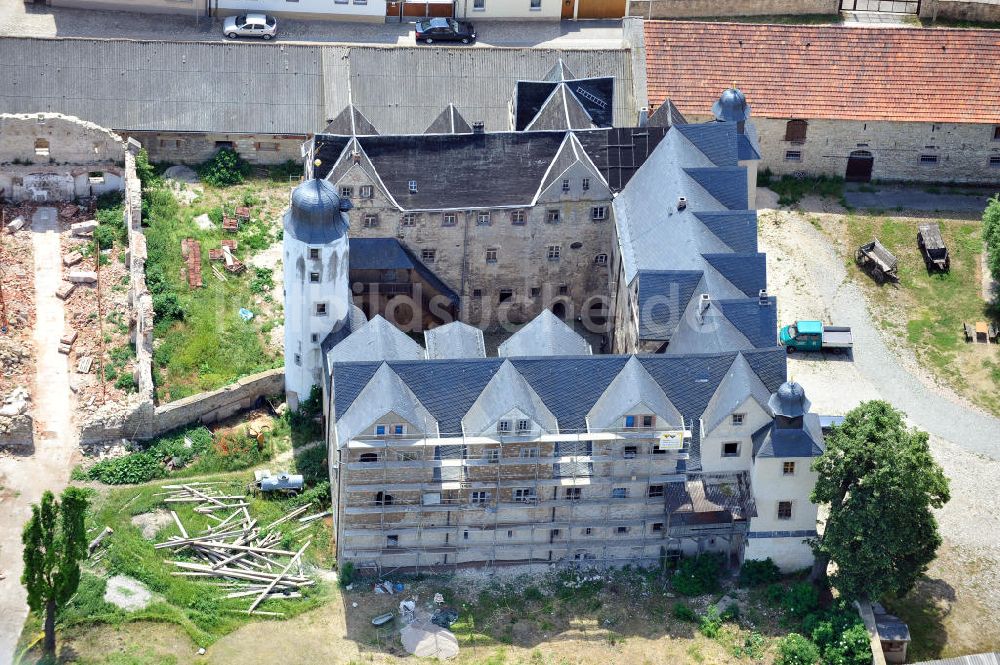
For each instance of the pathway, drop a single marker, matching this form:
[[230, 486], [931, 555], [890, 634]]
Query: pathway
[[891, 197], [25, 478]]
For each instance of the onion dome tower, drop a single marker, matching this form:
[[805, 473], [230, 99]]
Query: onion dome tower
[[732, 107], [317, 287]]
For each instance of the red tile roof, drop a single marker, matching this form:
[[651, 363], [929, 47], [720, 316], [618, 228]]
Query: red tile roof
[[789, 71]]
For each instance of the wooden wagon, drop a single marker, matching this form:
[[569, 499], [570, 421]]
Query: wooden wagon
[[932, 247], [875, 259]]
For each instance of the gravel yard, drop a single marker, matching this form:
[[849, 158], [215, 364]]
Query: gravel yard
[[959, 598]]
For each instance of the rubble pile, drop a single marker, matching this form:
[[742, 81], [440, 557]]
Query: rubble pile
[[17, 274]]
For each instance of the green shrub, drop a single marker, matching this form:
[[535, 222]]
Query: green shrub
[[262, 280], [224, 169], [796, 650], [710, 623], [127, 383], [774, 593], [759, 573], [346, 573], [533, 594], [128, 470], [684, 613], [104, 236], [801, 599], [167, 306], [282, 172], [753, 647], [991, 234], [144, 170], [851, 647], [698, 575]]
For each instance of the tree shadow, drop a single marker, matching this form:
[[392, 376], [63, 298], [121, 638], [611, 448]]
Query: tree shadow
[[924, 610]]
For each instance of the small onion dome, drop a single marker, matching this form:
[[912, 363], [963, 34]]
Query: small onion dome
[[790, 401], [315, 215], [732, 106]]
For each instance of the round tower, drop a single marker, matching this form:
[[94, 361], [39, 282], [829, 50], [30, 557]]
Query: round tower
[[317, 287], [732, 107]]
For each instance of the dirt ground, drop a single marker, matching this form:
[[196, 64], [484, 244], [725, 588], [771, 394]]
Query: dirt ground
[[17, 273]]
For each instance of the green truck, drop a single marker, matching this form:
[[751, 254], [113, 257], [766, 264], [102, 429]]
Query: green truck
[[814, 336]]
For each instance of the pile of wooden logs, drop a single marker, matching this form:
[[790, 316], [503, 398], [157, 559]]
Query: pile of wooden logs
[[236, 549]]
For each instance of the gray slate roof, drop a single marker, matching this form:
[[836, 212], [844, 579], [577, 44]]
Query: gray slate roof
[[165, 86], [992, 658], [376, 340], [770, 441], [391, 254], [544, 335], [454, 340]]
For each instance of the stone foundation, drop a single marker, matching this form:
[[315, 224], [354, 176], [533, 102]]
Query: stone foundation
[[17, 431]]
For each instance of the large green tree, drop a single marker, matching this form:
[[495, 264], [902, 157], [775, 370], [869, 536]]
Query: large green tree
[[991, 234], [55, 541], [880, 482]]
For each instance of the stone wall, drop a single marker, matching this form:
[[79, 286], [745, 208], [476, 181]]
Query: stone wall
[[197, 147], [16, 431], [218, 404], [963, 150], [956, 10], [666, 9]]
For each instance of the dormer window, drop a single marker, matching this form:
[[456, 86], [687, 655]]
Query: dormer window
[[503, 427], [412, 186], [398, 430], [731, 449], [738, 419], [523, 426], [379, 430], [639, 421]]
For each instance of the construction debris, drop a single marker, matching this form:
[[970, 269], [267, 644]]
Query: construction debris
[[84, 364], [65, 290], [96, 542], [84, 229], [82, 277], [72, 259], [16, 225], [191, 251], [236, 548]]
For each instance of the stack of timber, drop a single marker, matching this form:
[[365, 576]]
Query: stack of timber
[[236, 549]]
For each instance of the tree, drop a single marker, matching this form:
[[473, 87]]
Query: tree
[[55, 541], [991, 234], [881, 483]]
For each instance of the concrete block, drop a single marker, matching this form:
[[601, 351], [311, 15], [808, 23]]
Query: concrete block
[[84, 364], [83, 277], [84, 228], [69, 337], [65, 349], [72, 259], [65, 290], [16, 225]]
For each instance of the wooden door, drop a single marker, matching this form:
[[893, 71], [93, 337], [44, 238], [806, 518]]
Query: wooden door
[[601, 9], [567, 8], [859, 166]]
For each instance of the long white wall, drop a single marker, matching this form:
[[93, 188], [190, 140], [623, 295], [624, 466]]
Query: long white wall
[[372, 11], [508, 9]]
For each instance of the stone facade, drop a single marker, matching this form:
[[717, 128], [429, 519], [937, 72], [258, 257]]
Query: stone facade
[[903, 151], [199, 147], [957, 10], [667, 9]]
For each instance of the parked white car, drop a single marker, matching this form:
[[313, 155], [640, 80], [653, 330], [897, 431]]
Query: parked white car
[[250, 25]]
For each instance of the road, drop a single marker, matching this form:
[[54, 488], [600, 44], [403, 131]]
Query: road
[[24, 478], [20, 20]]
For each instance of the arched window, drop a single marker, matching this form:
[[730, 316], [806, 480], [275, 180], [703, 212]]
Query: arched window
[[601, 260], [41, 147], [795, 131], [369, 457], [383, 499]]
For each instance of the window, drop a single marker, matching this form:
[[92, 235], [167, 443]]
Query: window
[[412, 186], [928, 159], [563, 289], [449, 219], [266, 147], [589, 531], [535, 5], [996, 133], [314, 278], [379, 430], [995, 161], [795, 131], [524, 494], [536, 291], [367, 192], [552, 216], [298, 359], [517, 217], [630, 452], [96, 177], [491, 454], [565, 185], [383, 499], [313, 253], [369, 457], [619, 493], [477, 293], [398, 430], [346, 192], [314, 337], [371, 220], [640, 421], [465, 534], [503, 427], [479, 5], [506, 294], [788, 468], [599, 213], [573, 494], [523, 426], [793, 155], [622, 530], [321, 309], [657, 527], [41, 147], [731, 449], [392, 541], [784, 510], [585, 184], [428, 255], [601, 260], [483, 218], [409, 219], [528, 453], [737, 419], [655, 491], [491, 255], [510, 533], [553, 252]]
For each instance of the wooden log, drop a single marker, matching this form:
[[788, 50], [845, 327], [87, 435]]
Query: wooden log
[[180, 526], [208, 498], [242, 574], [214, 544], [310, 518], [96, 542], [295, 513], [277, 579], [254, 592]]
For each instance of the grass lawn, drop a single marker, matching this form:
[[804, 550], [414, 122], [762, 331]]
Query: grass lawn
[[210, 345], [928, 309]]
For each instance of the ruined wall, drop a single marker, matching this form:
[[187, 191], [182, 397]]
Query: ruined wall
[[665, 9], [957, 10], [218, 404], [198, 147], [16, 431]]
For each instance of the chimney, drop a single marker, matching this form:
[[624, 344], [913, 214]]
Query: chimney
[[478, 127], [703, 304], [356, 157], [682, 203], [762, 298], [644, 116]]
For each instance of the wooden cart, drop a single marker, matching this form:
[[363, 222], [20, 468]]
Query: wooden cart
[[877, 261], [932, 247]]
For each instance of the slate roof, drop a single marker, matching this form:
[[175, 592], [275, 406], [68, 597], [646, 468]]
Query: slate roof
[[390, 254], [666, 115], [662, 300], [376, 340], [618, 153], [724, 492], [758, 324], [975, 659], [569, 386], [747, 272], [579, 104], [544, 335], [770, 441], [455, 340], [736, 228], [350, 122], [835, 72], [225, 87], [717, 141], [449, 122], [727, 185]]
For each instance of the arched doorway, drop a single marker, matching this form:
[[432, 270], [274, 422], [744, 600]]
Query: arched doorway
[[559, 309], [859, 166]]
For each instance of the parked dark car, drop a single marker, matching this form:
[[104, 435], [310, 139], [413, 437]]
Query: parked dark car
[[445, 30]]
